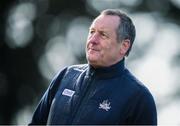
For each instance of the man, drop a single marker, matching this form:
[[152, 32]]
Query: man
[[102, 91]]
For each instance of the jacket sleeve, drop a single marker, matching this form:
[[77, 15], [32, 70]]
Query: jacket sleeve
[[144, 109], [40, 115]]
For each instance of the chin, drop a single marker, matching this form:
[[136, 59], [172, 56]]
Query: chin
[[92, 61], [94, 65]]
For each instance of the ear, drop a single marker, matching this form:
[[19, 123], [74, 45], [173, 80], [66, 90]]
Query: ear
[[125, 45]]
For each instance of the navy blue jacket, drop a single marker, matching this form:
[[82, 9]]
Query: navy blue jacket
[[80, 94]]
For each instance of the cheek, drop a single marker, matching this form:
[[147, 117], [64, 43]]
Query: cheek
[[111, 50], [107, 47], [87, 44]]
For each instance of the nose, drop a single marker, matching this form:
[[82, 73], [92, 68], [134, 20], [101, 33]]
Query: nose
[[94, 38]]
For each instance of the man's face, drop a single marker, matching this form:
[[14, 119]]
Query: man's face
[[102, 48]]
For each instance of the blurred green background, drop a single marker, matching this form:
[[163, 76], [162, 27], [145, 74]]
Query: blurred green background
[[40, 37]]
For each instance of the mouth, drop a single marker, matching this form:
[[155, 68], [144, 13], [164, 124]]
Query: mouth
[[93, 49]]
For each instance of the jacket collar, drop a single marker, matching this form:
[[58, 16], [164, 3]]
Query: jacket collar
[[108, 72]]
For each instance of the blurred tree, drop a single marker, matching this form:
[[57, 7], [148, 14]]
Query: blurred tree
[[19, 76]]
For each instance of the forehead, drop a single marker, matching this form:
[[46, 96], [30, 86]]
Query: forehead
[[106, 22]]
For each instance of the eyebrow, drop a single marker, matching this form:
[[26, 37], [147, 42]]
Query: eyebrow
[[101, 30]]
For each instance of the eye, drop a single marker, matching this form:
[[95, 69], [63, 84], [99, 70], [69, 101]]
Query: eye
[[91, 31], [104, 35]]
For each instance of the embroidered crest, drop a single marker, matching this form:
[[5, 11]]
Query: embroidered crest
[[105, 105]]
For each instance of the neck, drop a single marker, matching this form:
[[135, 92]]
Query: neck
[[95, 66]]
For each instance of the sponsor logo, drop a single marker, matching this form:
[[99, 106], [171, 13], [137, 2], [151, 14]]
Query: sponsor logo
[[68, 92]]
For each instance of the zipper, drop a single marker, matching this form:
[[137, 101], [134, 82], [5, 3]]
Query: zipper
[[83, 99]]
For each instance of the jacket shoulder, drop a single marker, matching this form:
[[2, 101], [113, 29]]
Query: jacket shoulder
[[143, 107], [74, 70], [135, 83], [80, 67], [68, 72]]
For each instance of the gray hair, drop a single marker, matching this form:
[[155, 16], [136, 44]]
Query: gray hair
[[126, 29]]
